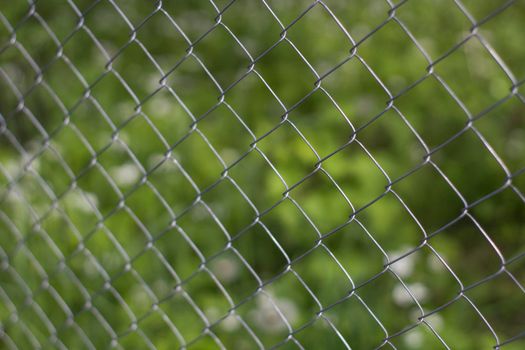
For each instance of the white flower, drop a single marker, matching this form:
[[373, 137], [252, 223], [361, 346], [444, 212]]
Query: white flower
[[436, 321], [155, 159], [230, 323], [268, 318], [414, 339], [163, 104], [14, 195], [126, 174], [11, 167], [435, 264], [82, 201], [229, 155], [161, 287], [89, 268], [28, 160], [139, 296], [153, 81], [403, 298], [404, 266], [226, 269]]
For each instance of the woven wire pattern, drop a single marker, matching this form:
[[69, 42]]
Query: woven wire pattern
[[262, 174]]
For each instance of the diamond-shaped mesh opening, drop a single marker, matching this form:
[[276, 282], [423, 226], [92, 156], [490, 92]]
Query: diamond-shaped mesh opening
[[89, 115], [105, 197], [418, 337], [427, 122], [485, 297], [122, 174], [506, 235], [429, 181], [37, 244], [356, 91], [424, 20], [210, 49], [124, 226], [361, 247], [395, 45], [208, 236], [83, 153], [237, 277], [322, 328], [485, 77], [507, 140], [283, 67], [360, 17], [253, 24], [24, 127], [68, 92], [260, 114], [10, 97], [38, 51], [321, 109], [382, 304], [190, 77], [409, 234], [160, 24], [227, 214], [322, 259], [254, 171], [503, 21], [135, 57], [291, 167], [194, 20], [17, 73], [292, 228], [167, 114], [167, 172], [261, 314], [219, 125], [233, 332], [182, 314], [61, 25], [267, 174], [483, 253], [316, 189], [113, 32], [61, 179], [363, 329], [380, 139], [86, 53], [152, 260], [16, 14], [287, 305], [490, 175], [351, 164], [254, 244], [162, 338], [202, 174], [486, 10], [112, 263], [199, 287], [42, 99], [187, 253], [309, 36], [430, 292]]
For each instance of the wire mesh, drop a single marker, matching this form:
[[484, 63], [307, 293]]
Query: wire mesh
[[262, 174]]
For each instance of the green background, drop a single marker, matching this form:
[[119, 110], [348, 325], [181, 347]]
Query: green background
[[170, 175]]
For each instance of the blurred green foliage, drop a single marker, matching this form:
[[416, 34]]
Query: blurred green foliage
[[128, 171]]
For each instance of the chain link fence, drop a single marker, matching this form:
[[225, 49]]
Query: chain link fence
[[262, 174]]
